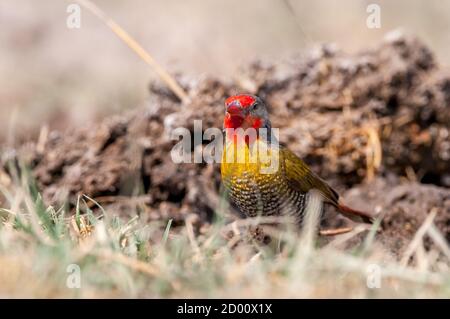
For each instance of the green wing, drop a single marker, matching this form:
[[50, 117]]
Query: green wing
[[301, 177]]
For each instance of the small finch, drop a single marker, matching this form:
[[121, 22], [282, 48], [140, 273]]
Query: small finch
[[256, 190]]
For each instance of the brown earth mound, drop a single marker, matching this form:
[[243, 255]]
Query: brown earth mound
[[383, 112], [405, 208]]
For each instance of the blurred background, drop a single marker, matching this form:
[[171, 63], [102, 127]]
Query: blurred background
[[52, 74]]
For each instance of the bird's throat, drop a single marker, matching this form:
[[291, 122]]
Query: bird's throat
[[233, 121]]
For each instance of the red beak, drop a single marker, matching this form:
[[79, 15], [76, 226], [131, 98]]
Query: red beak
[[235, 110]]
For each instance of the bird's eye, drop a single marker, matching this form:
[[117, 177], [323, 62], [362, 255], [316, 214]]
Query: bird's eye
[[255, 106]]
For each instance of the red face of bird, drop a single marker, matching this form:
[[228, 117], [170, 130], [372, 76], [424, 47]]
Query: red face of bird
[[245, 111]]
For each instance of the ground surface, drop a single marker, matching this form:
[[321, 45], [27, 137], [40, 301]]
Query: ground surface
[[382, 112], [374, 124]]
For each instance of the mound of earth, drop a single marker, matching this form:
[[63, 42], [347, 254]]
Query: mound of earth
[[405, 206], [376, 115]]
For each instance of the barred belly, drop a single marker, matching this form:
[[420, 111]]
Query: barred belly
[[265, 195]]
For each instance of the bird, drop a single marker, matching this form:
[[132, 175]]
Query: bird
[[255, 190]]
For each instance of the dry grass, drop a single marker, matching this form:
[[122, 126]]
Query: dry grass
[[129, 258], [137, 48]]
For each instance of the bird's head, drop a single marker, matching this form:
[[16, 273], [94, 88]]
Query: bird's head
[[245, 111]]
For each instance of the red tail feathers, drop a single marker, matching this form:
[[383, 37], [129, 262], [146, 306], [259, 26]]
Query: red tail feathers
[[355, 215]]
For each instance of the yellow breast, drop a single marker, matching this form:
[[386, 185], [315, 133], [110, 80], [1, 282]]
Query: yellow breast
[[255, 180], [254, 159]]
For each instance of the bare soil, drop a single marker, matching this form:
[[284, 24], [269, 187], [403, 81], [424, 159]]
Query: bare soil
[[375, 124]]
